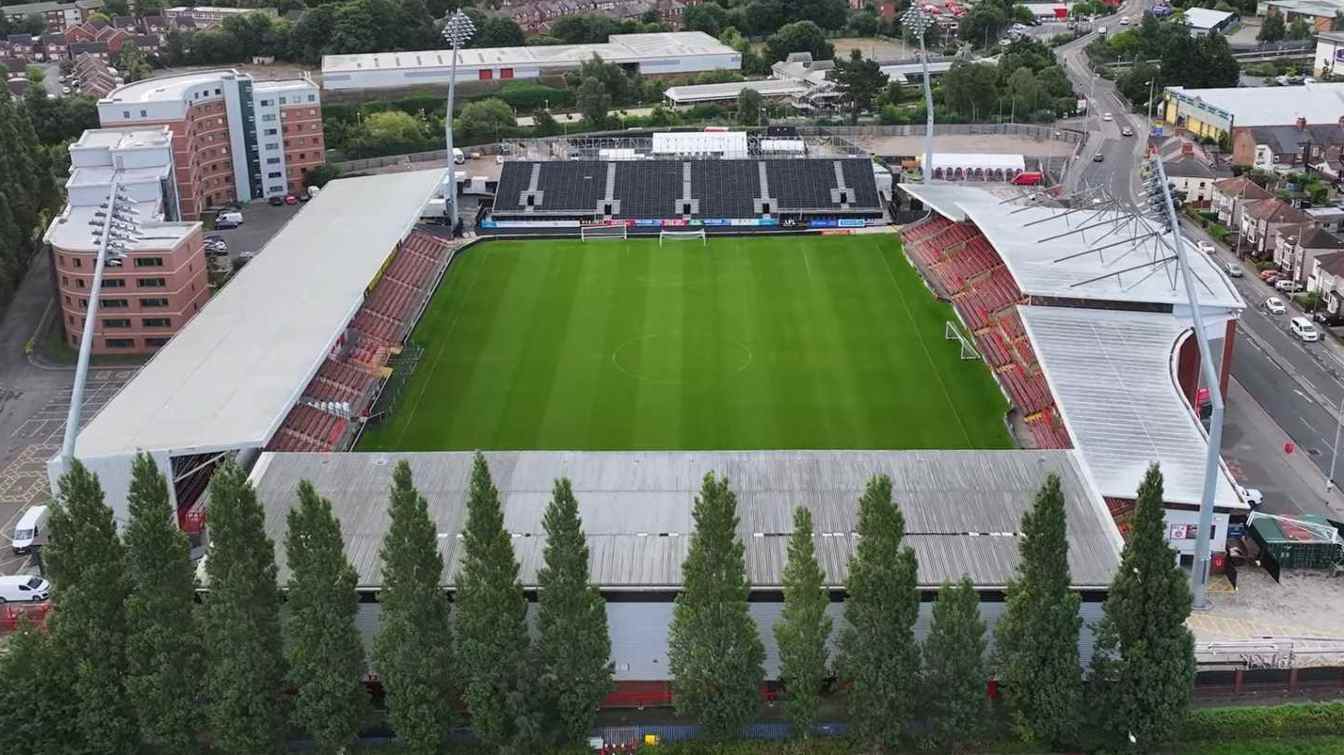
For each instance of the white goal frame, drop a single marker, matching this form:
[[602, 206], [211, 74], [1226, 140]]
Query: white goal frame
[[952, 333], [599, 232], [683, 235]]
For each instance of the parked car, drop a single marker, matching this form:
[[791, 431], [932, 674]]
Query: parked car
[[29, 528], [23, 588], [1107, 117], [1124, 20], [1233, 270], [1252, 496], [303, 196], [229, 220], [1303, 329], [1287, 285], [1126, 131], [276, 201], [291, 199], [1206, 247], [1269, 276], [1100, 156], [1275, 306]]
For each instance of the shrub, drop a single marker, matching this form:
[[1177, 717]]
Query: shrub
[[529, 95], [1212, 724]]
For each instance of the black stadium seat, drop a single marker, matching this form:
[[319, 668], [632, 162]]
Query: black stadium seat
[[859, 178], [726, 188], [648, 188]]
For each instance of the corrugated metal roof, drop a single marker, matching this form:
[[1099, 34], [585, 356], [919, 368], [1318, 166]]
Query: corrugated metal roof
[[1111, 373], [962, 508]]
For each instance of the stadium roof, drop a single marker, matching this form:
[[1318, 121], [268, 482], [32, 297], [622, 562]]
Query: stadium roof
[[1111, 373], [729, 90], [619, 48], [962, 508], [1053, 267], [228, 378]]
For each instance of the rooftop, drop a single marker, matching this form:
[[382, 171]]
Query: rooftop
[[731, 89], [1275, 210], [167, 87], [1188, 166], [1241, 186], [1045, 262], [962, 508], [619, 48], [120, 139], [228, 378], [1111, 373], [1273, 106], [1205, 18], [1319, 238]]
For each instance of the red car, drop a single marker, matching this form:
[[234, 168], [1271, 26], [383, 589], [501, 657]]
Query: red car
[[291, 199], [1269, 276]]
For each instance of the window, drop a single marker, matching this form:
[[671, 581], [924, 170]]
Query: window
[[272, 161], [149, 262], [126, 114], [114, 303], [272, 145], [157, 322], [144, 113], [117, 322], [284, 100], [79, 262], [276, 174], [216, 91], [268, 117], [270, 132], [154, 303], [155, 342], [114, 283], [120, 343], [312, 98], [267, 103], [303, 155], [79, 283], [150, 282], [67, 299]]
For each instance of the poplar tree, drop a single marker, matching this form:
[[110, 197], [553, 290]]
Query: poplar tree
[[164, 647], [878, 654], [803, 627], [574, 645], [955, 673], [1036, 639], [492, 638], [413, 649], [86, 562], [36, 712], [245, 660], [1143, 669], [326, 656], [714, 650]]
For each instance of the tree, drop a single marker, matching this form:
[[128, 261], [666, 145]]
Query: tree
[[954, 665], [133, 62], [799, 36], [498, 31], [709, 18], [35, 707], [491, 624], [827, 14], [1300, 29], [1036, 653], [1273, 29], [1025, 93], [1143, 669], [164, 647], [983, 24], [582, 29], [749, 102], [86, 562], [859, 82], [574, 647], [321, 175], [245, 682], [36, 24], [485, 120], [803, 627], [413, 650], [878, 653], [593, 102], [326, 656], [970, 89], [713, 650], [544, 124]]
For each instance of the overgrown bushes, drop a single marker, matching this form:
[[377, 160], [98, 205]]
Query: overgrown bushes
[[1313, 719]]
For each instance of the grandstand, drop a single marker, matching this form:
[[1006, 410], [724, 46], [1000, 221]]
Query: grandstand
[[690, 190], [288, 354], [1082, 320]]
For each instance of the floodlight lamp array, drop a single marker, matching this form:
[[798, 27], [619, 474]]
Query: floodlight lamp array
[[458, 29]]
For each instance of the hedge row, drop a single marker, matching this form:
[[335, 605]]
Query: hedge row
[[1314, 719]]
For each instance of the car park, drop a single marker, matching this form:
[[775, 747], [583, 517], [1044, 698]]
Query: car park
[[23, 588], [1275, 306], [1302, 328], [1287, 285], [1205, 246], [1233, 270]]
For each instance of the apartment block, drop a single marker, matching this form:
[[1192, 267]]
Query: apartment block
[[234, 138], [162, 282]]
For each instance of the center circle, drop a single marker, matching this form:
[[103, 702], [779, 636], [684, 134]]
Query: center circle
[[661, 359]]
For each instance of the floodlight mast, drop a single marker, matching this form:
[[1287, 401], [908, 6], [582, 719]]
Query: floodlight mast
[[917, 22], [457, 30], [1159, 195], [114, 227]]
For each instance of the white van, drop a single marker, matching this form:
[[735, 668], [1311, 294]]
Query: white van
[[458, 157], [24, 588], [29, 527], [1304, 329], [229, 220]]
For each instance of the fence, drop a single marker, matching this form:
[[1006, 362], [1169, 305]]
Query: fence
[[1039, 133], [435, 155]]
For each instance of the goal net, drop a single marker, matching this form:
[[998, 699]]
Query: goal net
[[952, 333], [596, 232], [683, 236]]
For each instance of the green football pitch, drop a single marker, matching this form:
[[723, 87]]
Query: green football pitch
[[744, 343]]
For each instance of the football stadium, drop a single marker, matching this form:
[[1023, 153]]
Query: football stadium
[[635, 323]]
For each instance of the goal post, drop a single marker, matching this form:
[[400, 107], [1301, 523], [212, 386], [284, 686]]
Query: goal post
[[683, 236], [952, 333], [598, 232]]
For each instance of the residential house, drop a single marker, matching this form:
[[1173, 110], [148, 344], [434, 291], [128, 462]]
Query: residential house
[[155, 25], [53, 47], [1297, 251], [149, 43], [1287, 147], [211, 16], [1193, 177], [113, 37], [81, 33], [22, 47], [1260, 221], [96, 78], [1327, 277], [1329, 217], [1229, 194], [127, 23], [98, 49], [59, 16]]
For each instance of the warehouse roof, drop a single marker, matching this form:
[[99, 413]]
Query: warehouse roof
[[1111, 374], [619, 48], [729, 90], [1205, 18], [1273, 106], [962, 509], [228, 378]]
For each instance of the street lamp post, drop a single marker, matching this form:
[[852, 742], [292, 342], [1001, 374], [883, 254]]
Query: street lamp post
[[457, 29], [114, 228], [917, 22]]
